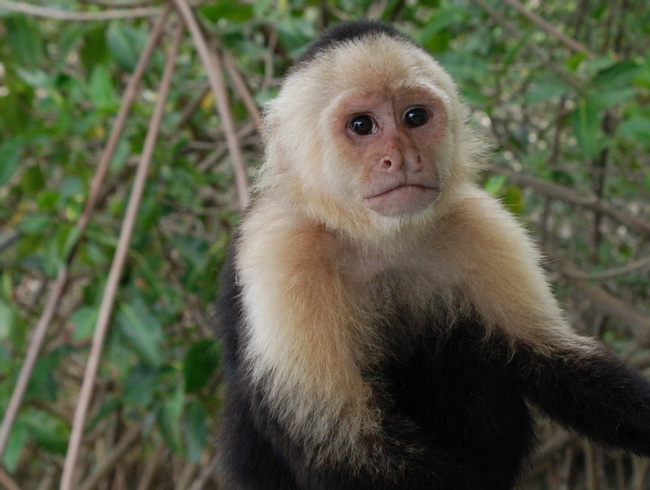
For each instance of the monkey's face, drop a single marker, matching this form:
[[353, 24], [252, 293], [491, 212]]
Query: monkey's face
[[391, 141], [365, 138]]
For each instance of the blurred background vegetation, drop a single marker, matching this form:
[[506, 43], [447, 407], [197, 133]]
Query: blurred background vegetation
[[561, 87]]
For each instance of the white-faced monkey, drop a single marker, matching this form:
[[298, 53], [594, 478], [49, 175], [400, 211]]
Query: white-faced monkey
[[385, 321]]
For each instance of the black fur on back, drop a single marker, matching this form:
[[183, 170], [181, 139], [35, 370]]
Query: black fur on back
[[345, 32]]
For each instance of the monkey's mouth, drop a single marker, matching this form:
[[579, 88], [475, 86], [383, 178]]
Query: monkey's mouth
[[402, 199]]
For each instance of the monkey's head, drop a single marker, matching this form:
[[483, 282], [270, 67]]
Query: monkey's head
[[367, 134]]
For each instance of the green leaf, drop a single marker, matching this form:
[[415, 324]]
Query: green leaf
[[47, 200], [142, 329], [200, 362], [547, 88], [110, 404], [635, 128], [47, 430], [10, 155], [17, 440], [125, 43], [196, 430], [24, 40], [43, 385], [94, 49], [83, 322], [495, 184], [574, 61], [437, 35], [102, 92], [34, 224], [121, 155], [169, 420], [33, 180], [141, 385], [8, 323], [513, 199], [618, 75], [585, 120], [227, 10]]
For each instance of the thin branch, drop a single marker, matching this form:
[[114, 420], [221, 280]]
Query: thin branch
[[242, 89], [33, 350], [550, 29], [208, 471], [151, 466], [538, 52], [68, 16], [58, 288], [636, 266], [550, 189], [607, 304], [212, 65], [6, 481], [109, 462], [552, 446], [108, 299], [115, 4]]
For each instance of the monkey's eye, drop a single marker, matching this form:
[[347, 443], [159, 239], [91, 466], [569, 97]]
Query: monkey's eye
[[416, 117], [362, 125]]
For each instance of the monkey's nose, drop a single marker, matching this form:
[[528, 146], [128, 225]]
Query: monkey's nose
[[393, 163]]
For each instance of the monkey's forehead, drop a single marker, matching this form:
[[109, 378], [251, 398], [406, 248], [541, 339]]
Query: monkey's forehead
[[378, 63]]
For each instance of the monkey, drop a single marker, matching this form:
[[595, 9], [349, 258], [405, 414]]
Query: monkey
[[385, 322]]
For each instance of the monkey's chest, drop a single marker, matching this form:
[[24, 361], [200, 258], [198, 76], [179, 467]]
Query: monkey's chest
[[460, 396]]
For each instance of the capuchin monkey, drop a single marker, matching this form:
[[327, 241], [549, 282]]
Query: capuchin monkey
[[385, 321]]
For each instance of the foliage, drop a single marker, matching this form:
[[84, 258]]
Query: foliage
[[578, 118]]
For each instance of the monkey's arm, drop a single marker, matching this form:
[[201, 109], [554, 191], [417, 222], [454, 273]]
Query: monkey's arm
[[590, 390], [574, 379]]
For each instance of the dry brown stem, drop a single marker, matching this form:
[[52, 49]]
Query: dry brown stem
[[108, 299]]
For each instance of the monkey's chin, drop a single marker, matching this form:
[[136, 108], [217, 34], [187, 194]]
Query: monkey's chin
[[403, 201]]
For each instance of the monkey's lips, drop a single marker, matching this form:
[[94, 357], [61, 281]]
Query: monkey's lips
[[402, 199]]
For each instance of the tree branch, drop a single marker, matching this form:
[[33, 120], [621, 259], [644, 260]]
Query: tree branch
[[65, 15], [212, 65], [557, 191], [101, 327], [550, 29]]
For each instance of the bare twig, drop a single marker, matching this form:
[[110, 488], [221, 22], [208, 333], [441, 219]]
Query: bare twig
[[109, 462], [33, 350], [58, 14], [101, 327], [6, 481], [207, 472], [604, 302], [122, 4], [242, 89], [186, 476], [550, 189], [538, 52], [149, 471], [36, 343], [550, 29], [212, 65], [636, 266], [551, 447], [129, 96]]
